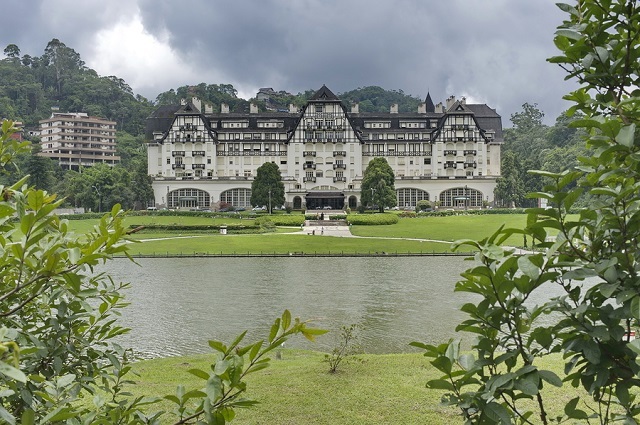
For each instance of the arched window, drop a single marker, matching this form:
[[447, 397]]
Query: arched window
[[410, 197], [237, 197], [189, 198], [461, 197]]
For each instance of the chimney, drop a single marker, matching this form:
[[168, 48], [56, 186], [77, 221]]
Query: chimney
[[208, 109], [293, 109], [355, 108], [440, 108], [224, 108], [422, 108], [196, 102], [394, 108], [463, 100], [450, 101], [253, 108]]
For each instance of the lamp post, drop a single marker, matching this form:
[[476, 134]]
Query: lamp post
[[465, 197], [99, 198]]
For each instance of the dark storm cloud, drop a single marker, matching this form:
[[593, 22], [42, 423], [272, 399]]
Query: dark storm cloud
[[492, 51]]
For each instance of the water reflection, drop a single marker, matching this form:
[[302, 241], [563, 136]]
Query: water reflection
[[177, 305]]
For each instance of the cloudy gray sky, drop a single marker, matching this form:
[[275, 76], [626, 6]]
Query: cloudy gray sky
[[491, 51]]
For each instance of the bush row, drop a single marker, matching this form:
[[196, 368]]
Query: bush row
[[373, 219], [200, 227]]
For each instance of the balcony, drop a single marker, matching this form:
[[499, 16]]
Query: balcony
[[197, 153], [470, 152], [309, 179], [470, 165], [339, 153], [449, 164], [340, 166], [177, 153], [197, 166], [309, 166], [447, 153], [309, 153], [339, 179], [176, 166]]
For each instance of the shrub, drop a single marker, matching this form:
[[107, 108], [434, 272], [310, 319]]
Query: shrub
[[287, 220], [373, 219]]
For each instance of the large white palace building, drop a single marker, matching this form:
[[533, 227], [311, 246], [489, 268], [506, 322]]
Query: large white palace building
[[447, 153]]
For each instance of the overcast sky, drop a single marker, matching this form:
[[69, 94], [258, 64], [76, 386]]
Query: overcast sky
[[491, 51]]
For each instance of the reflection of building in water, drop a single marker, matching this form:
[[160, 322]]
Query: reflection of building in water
[[445, 153]]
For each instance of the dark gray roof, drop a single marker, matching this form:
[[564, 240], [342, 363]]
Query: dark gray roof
[[487, 118], [160, 120], [429, 103], [324, 94]]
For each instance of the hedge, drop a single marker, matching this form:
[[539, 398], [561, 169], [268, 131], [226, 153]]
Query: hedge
[[372, 219]]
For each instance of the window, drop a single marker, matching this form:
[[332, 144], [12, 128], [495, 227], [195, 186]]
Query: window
[[319, 108], [427, 161], [168, 160]]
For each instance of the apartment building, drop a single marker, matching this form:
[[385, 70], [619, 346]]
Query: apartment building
[[75, 140], [449, 153]]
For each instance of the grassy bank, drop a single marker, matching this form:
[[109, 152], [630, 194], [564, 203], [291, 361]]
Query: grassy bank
[[376, 389], [409, 235]]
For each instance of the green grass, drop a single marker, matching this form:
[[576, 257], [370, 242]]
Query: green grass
[[274, 243], [449, 228], [375, 239], [377, 389]]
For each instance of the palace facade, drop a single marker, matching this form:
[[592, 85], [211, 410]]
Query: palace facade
[[447, 153]]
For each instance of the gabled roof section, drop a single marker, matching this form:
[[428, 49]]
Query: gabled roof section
[[459, 107], [429, 103], [324, 94], [188, 108]]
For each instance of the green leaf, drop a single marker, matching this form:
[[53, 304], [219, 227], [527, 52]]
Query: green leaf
[[12, 372], [218, 346], [28, 417], [286, 319], [571, 411], [626, 135], [440, 384], [550, 377], [570, 34], [214, 388], [635, 308], [8, 417], [199, 373], [497, 413], [467, 361]]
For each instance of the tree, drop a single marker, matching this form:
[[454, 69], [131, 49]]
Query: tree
[[267, 188], [12, 51], [378, 185], [599, 48], [58, 362]]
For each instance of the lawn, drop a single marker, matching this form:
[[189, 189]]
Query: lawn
[[297, 389], [434, 235]]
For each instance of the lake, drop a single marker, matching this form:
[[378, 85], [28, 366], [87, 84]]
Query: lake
[[178, 304]]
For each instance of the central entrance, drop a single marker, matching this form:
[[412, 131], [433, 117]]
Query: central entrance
[[321, 199]]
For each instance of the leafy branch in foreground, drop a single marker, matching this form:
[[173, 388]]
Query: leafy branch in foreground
[[59, 362], [224, 385], [593, 259]]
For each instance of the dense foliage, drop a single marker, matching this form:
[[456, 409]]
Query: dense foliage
[[378, 185], [373, 219], [501, 380], [267, 188]]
